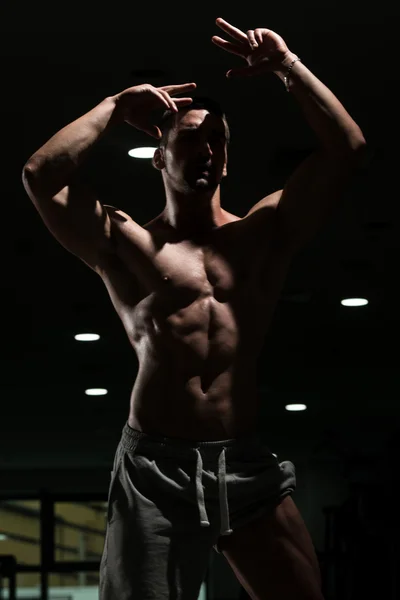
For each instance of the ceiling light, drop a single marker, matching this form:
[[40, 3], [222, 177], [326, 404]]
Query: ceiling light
[[87, 337], [145, 152], [295, 407], [354, 302], [96, 392]]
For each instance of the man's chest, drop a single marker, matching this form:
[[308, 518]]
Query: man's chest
[[203, 295], [224, 271], [231, 267]]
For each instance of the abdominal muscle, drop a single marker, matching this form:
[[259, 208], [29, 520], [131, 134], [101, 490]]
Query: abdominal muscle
[[179, 394]]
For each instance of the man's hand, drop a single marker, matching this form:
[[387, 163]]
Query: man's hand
[[138, 105], [263, 49]]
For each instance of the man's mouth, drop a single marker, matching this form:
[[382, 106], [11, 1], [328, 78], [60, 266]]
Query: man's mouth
[[205, 168]]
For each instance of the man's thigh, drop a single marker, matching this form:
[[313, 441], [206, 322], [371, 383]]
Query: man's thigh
[[274, 557], [143, 563]]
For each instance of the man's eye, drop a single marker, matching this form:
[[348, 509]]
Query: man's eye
[[187, 134]]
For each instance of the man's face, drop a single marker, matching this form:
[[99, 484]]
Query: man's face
[[196, 151]]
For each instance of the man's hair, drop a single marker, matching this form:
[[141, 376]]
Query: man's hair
[[199, 102]]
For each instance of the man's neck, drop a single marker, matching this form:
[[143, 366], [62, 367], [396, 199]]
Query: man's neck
[[194, 214]]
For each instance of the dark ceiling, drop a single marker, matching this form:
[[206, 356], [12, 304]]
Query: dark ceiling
[[343, 363]]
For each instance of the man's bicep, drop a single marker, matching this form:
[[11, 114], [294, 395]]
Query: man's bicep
[[76, 219], [310, 195]]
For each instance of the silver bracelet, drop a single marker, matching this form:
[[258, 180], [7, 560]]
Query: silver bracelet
[[286, 77]]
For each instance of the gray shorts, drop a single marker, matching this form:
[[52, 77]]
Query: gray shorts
[[169, 502]]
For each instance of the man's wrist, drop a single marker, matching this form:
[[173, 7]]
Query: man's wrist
[[283, 67], [117, 114]]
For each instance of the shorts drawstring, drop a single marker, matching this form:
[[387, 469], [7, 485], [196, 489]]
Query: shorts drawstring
[[223, 496]]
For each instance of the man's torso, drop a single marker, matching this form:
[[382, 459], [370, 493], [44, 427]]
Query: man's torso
[[196, 314]]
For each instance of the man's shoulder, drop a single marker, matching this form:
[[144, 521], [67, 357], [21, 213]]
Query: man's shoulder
[[124, 226], [118, 215], [268, 202]]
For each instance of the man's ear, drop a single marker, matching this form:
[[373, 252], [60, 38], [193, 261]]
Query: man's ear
[[158, 159], [225, 169]]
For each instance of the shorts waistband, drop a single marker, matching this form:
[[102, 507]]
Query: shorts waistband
[[135, 440]]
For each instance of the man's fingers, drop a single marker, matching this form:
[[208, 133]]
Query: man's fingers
[[162, 98], [259, 36], [251, 37], [171, 103], [237, 49], [178, 89], [153, 130], [183, 101], [233, 31]]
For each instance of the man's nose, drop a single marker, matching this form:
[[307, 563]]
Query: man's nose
[[205, 150]]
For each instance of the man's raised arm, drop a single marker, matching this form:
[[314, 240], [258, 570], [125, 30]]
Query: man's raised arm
[[70, 211], [317, 184]]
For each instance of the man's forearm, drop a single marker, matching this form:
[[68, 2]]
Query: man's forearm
[[338, 133], [51, 167]]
